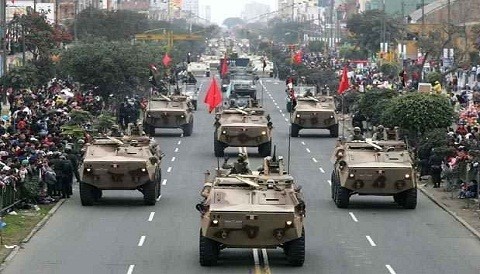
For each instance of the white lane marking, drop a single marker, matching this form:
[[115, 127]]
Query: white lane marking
[[179, 142], [303, 143], [173, 159], [159, 197], [274, 101], [315, 160], [329, 182], [308, 150], [286, 119], [283, 114], [130, 269], [181, 135], [278, 107], [176, 149], [150, 218], [390, 269], [280, 111], [353, 217], [265, 260], [141, 241], [164, 182], [256, 258], [169, 169], [369, 239], [321, 170]]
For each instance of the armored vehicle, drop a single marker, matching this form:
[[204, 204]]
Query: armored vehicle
[[239, 88], [315, 113], [191, 91], [110, 164], [174, 111], [247, 127], [299, 91], [261, 210], [382, 168]]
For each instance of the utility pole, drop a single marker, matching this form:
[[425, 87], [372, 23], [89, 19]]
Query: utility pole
[[3, 25], [423, 15], [332, 5]]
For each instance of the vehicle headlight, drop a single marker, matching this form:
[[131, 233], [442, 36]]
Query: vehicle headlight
[[144, 170], [351, 175], [288, 223], [331, 116], [88, 169], [298, 115], [407, 176], [264, 133], [224, 132], [182, 116], [149, 116]]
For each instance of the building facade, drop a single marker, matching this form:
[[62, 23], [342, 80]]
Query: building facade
[[253, 11]]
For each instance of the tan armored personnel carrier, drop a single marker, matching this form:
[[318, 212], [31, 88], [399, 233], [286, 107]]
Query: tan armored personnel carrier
[[314, 113], [110, 164], [247, 127], [299, 92], [382, 168], [173, 111], [262, 210]]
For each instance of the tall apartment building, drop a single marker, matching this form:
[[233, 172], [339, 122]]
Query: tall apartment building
[[253, 11]]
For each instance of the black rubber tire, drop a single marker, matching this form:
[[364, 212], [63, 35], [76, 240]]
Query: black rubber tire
[[289, 107], [333, 184], [97, 193], [342, 196], [399, 199], [265, 149], [410, 198], [149, 193], [334, 131], [208, 251], [218, 148], [194, 103], [87, 196], [150, 130], [294, 130], [295, 250]]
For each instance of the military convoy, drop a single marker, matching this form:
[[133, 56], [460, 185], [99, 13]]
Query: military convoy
[[112, 164], [191, 91], [382, 168], [314, 113], [261, 210], [247, 127], [174, 111]]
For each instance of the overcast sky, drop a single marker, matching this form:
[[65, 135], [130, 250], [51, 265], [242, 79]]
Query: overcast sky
[[222, 9]]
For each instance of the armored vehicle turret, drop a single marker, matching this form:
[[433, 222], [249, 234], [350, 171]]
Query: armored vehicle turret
[[111, 164], [314, 113], [382, 168], [261, 210], [174, 111], [246, 127]]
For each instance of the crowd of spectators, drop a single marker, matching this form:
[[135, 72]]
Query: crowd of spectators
[[37, 161]]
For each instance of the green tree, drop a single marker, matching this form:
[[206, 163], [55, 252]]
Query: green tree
[[366, 29], [233, 22], [390, 69], [372, 103], [113, 67], [22, 77], [418, 113]]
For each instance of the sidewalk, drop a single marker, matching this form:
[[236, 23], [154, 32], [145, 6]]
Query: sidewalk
[[466, 211]]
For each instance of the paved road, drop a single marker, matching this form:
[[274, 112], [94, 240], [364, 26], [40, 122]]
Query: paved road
[[120, 235]]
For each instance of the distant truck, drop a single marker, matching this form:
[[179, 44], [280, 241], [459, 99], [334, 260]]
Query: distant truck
[[174, 111], [314, 113]]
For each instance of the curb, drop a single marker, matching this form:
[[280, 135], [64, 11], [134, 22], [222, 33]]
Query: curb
[[475, 232], [35, 229]]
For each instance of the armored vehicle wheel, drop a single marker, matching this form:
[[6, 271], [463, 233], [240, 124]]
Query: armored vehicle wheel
[[410, 198], [265, 149], [188, 128], [150, 193], [194, 105], [289, 107], [342, 196], [295, 250], [294, 130], [218, 148], [87, 195], [399, 199], [209, 250], [334, 131], [150, 130], [97, 193], [333, 181]]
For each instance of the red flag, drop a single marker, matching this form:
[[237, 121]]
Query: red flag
[[344, 82], [224, 67], [166, 60], [297, 57], [213, 98]]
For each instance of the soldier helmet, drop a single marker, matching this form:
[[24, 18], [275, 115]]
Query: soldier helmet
[[356, 129], [81, 141], [242, 157], [114, 127], [380, 127]]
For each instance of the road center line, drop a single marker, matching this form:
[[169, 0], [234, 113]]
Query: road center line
[[390, 269], [280, 111], [321, 170], [286, 119], [176, 149], [179, 142], [150, 218], [315, 160], [164, 182], [369, 239], [141, 241], [329, 182], [308, 150], [173, 159], [303, 143], [283, 114], [256, 260], [265, 261], [169, 169], [353, 217], [130, 269]]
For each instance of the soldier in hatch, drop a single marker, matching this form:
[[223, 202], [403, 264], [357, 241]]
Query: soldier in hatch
[[115, 131], [380, 134], [241, 165], [357, 135]]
